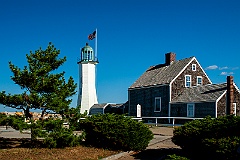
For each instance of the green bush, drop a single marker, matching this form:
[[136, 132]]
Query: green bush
[[57, 136], [218, 137], [223, 148], [51, 131], [175, 157], [62, 139], [116, 132], [2, 118], [15, 122]]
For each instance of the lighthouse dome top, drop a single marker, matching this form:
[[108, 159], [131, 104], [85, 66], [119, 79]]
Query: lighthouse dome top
[[87, 54], [87, 48]]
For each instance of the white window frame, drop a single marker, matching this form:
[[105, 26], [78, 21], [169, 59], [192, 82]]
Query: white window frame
[[190, 81], [235, 109], [190, 112], [201, 80], [155, 104], [194, 67]]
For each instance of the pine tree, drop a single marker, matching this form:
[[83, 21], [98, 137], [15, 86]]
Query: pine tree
[[42, 87]]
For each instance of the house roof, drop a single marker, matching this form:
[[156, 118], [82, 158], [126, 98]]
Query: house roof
[[206, 93], [161, 74], [102, 105]]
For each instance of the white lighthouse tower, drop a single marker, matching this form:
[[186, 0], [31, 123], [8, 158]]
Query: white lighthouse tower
[[87, 96]]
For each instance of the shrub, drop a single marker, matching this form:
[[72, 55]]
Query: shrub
[[217, 137], [15, 122], [57, 136], [175, 157], [222, 148], [116, 132], [62, 139]]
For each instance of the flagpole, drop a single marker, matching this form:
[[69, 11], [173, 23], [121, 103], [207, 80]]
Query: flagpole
[[96, 44]]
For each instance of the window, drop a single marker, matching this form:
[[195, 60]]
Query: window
[[190, 110], [84, 57], [157, 107], [199, 80], [187, 81], [88, 56], [194, 68], [235, 109]]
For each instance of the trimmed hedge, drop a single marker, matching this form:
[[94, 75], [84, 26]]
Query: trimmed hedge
[[217, 138], [116, 132]]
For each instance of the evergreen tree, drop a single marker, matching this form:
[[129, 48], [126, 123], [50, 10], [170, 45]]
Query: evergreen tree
[[42, 87]]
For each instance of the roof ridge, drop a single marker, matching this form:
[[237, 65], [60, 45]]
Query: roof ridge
[[161, 73]]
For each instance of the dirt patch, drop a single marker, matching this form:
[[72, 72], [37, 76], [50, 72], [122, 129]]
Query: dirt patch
[[20, 149]]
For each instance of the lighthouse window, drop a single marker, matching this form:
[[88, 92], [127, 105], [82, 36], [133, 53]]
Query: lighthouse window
[[89, 56], [85, 57], [88, 51], [85, 51]]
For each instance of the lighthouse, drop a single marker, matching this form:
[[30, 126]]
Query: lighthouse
[[87, 96]]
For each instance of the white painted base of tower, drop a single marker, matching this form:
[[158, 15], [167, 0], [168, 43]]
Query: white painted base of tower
[[87, 91]]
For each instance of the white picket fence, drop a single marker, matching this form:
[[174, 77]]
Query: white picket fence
[[170, 119]]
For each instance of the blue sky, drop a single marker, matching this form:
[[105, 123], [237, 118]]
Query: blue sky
[[132, 35]]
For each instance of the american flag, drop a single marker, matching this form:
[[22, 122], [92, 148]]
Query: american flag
[[92, 35]]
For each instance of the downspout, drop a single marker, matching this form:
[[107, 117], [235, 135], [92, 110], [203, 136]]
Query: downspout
[[216, 109], [170, 98]]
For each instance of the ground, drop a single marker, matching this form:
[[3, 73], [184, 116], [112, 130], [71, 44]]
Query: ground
[[11, 149], [71, 153]]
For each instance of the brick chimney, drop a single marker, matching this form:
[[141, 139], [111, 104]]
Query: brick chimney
[[169, 58], [230, 95]]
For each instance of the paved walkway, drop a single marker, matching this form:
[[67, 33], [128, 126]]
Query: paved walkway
[[12, 133]]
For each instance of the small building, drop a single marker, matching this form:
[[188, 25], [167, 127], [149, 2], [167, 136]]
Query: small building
[[181, 88], [107, 108]]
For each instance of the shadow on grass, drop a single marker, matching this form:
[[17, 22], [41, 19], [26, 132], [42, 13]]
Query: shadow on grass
[[6, 143], [157, 154]]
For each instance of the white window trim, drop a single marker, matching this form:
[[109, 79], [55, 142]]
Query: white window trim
[[189, 81], [194, 67], [235, 109], [158, 98], [201, 80], [192, 104]]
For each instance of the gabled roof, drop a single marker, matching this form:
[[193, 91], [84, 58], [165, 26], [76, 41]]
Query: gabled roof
[[206, 93], [161, 74], [102, 105]]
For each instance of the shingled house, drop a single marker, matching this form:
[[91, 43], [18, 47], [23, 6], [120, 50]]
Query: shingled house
[[181, 88]]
